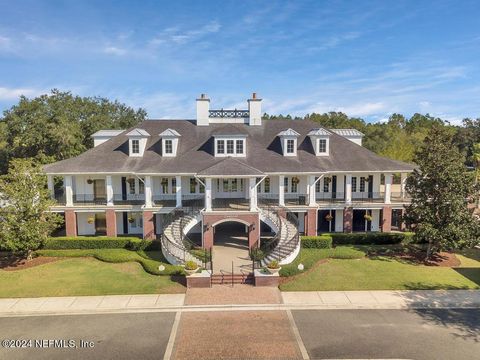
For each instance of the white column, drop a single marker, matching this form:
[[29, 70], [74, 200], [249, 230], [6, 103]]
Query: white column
[[109, 190], [348, 189], [375, 220], [208, 194], [403, 177], [50, 185], [148, 191], [388, 188], [338, 220], [178, 189], [311, 190], [281, 190], [68, 190], [252, 194]]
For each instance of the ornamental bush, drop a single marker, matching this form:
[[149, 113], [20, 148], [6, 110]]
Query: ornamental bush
[[317, 242], [95, 242], [372, 238]]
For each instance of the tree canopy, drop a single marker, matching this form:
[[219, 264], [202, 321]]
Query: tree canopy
[[59, 125], [440, 188]]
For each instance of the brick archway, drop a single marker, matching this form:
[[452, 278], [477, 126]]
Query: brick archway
[[212, 220]]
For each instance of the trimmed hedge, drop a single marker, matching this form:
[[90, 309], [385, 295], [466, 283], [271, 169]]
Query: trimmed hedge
[[103, 242], [371, 238], [317, 242]]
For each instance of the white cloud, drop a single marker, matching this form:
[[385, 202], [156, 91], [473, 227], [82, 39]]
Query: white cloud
[[8, 94], [176, 36], [113, 50]]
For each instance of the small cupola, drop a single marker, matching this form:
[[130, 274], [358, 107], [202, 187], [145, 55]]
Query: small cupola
[[320, 139], [170, 139], [137, 142], [288, 139]]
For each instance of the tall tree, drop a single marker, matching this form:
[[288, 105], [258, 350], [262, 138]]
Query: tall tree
[[59, 125], [25, 220], [440, 187]]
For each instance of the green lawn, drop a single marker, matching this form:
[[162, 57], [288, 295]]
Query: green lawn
[[383, 274], [84, 276]]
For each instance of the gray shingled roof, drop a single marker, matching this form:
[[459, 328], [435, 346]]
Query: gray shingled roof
[[230, 166], [195, 151]]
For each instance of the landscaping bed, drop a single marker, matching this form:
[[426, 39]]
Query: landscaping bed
[[9, 262]]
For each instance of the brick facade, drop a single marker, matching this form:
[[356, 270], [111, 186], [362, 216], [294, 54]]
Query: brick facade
[[111, 220], [386, 219], [209, 220], [70, 223], [311, 222], [348, 220], [149, 225]]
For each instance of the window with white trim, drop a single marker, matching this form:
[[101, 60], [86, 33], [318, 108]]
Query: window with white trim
[[317, 185], [322, 145], [266, 185], [326, 184], [362, 184], [135, 146], [131, 186], [285, 184], [174, 185], [220, 146], [168, 146], [164, 184], [239, 146], [141, 186], [354, 184], [230, 148], [290, 146]]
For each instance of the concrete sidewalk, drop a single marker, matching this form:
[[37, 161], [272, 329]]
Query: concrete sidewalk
[[290, 300]]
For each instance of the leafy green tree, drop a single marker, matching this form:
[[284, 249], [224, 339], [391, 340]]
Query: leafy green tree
[[59, 125], [25, 220], [440, 187]]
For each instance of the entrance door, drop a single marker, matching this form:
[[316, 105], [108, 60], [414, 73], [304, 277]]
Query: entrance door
[[230, 188], [99, 192], [100, 224]]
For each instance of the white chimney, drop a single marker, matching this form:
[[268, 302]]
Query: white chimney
[[255, 110], [203, 107]]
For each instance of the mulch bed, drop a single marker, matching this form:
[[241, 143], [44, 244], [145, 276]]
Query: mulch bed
[[13, 263], [417, 256]]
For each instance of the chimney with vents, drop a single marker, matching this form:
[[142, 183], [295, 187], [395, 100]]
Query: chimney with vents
[[203, 107], [255, 110]]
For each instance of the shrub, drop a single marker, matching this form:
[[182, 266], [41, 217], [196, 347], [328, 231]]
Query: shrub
[[91, 242], [257, 254], [191, 265], [273, 264], [373, 238], [317, 242]]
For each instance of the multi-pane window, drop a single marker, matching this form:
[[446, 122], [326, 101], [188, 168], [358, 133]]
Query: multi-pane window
[[266, 185], [326, 184], [354, 184], [168, 146], [317, 185], [294, 185], [164, 184], [290, 146], [131, 186], [322, 145], [234, 185], [201, 188], [285, 184], [362, 184], [193, 185], [239, 146], [141, 186], [230, 148], [221, 146], [226, 185], [135, 146], [174, 185]]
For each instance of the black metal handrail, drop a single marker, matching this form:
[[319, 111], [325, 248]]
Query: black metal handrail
[[231, 204], [89, 199], [129, 199], [229, 113], [330, 196]]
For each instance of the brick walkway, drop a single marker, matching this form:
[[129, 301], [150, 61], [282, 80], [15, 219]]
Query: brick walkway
[[233, 335], [237, 295]]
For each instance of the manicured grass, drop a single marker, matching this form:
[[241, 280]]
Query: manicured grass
[[150, 260], [84, 276], [384, 273]]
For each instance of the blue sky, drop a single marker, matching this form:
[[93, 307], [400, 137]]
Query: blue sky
[[366, 58]]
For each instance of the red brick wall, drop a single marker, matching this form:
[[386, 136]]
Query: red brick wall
[[347, 219], [70, 223], [148, 225], [211, 219], [111, 222], [311, 222], [386, 219]]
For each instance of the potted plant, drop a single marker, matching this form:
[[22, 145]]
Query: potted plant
[[273, 267], [367, 217], [329, 217], [89, 181], [191, 267], [295, 180], [131, 219], [91, 220]]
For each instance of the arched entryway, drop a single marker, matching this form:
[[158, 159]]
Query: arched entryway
[[230, 248]]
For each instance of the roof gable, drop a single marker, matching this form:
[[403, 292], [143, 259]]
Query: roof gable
[[319, 132], [138, 132], [169, 133], [288, 132]]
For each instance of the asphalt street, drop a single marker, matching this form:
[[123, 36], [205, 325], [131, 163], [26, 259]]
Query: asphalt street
[[326, 334]]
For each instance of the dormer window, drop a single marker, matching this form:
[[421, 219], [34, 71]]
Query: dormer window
[[230, 146], [288, 139], [135, 146], [321, 141], [170, 140], [137, 142]]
